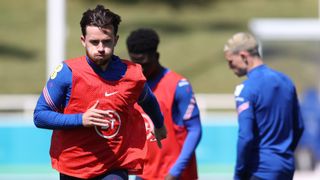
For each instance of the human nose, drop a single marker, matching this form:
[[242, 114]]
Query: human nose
[[100, 46]]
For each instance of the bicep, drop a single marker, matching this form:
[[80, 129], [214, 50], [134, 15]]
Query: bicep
[[144, 94], [245, 108], [48, 112], [57, 90], [184, 106]]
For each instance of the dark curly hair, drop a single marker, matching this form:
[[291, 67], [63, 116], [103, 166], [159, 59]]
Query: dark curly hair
[[101, 18], [143, 40]]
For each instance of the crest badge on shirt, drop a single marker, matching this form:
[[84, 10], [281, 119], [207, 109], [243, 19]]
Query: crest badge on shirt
[[238, 89], [56, 70], [112, 127]]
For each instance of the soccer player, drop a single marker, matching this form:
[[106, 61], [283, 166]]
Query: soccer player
[[89, 101], [270, 123], [176, 160]]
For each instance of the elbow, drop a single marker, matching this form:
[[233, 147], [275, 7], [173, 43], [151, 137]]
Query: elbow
[[37, 123], [194, 129], [199, 134], [37, 120], [247, 139]]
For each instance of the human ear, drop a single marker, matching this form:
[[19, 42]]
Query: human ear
[[82, 38], [116, 40], [244, 59]]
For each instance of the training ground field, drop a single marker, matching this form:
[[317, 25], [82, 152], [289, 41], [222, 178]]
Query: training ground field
[[24, 150]]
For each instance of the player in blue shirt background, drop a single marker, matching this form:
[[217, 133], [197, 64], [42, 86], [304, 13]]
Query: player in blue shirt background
[[270, 123]]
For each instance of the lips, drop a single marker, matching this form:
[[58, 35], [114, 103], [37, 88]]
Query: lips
[[99, 57]]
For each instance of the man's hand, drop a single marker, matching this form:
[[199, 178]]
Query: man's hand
[[159, 134], [170, 177], [94, 117]]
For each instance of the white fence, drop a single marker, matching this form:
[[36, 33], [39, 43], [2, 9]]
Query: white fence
[[24, 103]]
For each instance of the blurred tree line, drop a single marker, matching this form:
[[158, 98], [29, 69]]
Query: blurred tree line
[[177, 4]]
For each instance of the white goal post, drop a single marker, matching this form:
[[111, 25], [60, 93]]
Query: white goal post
[[56, 33], [305, 29]]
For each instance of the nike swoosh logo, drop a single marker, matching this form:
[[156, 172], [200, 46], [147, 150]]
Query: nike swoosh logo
[[110, 94]]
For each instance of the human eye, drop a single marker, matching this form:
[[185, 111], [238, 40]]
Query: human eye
[[94, 42], [106, 42]]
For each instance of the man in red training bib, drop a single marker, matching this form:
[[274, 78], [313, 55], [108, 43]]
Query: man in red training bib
[[176, 160], [88, 102]]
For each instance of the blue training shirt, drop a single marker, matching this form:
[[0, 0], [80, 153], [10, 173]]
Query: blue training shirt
[[270, 125], [56, 95], [185, 112]]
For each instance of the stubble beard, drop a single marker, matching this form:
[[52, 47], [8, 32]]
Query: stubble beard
[[241, 72], [99, 60]]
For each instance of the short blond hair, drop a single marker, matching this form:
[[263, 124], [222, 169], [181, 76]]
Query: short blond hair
[[243, 42]]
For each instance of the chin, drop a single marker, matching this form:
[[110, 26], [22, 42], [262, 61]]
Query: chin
[[101, 58], [239, 74]]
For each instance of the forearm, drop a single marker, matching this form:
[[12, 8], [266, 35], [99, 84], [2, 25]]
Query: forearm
[[150, 106], [191, 142], [244, 144], [244, 147], [53, 120]]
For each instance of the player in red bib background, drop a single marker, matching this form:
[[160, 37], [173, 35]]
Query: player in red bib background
[[176, 160], [89, 101]]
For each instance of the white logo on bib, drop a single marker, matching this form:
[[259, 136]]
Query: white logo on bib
[[112, 127], [110, 94]]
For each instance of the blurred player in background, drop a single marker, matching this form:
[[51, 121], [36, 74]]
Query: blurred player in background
[[176, 160], [270, 123], [89, 104]]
